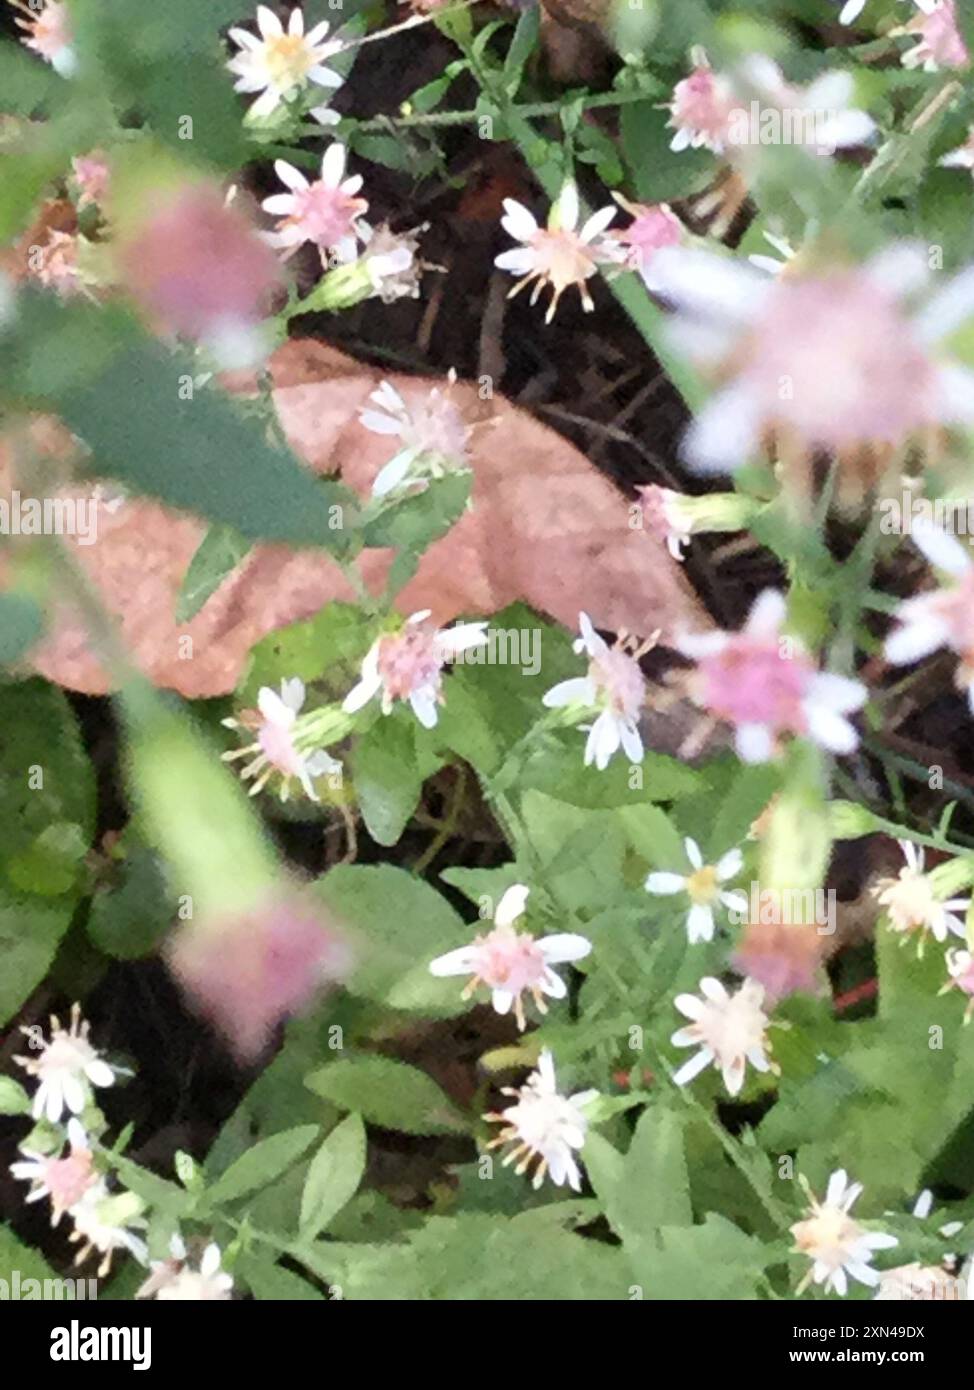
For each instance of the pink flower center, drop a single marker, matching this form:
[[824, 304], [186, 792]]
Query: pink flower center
[[561, 259], [619, 681], [325, 215], [510, 961], [702, 105], [409, 661], [753, 682], [835, 361], [651, 230], [68, 1179], [278, 747]]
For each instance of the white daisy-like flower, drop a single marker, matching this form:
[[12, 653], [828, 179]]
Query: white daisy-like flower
[[106, 1222], [556, 255], [729, 1029], [512, 963], [64, 1180], [408, 665], [175, 1280], [943, 618], [65, 1067], [325, 212], [615, 686], [277, 749], [280, 64], [766, 687], [703, 887], [835, 1242], [911, 901], [433, 436], [701, 107], [544, 1126]]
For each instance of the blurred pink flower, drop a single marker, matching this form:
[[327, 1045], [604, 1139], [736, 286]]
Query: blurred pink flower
[[939, 40], [653, 227], [700, 109], [250, 972], [200, 270]]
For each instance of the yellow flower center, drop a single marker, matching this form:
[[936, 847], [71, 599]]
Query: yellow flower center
[[288, 59], [702, 885]]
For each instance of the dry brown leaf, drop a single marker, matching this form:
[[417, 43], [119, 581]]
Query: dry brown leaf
[[546, 528]]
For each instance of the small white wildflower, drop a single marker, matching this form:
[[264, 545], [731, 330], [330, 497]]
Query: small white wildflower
[[544, 1126], [66, 1067], [703, 887], [835, 1243]]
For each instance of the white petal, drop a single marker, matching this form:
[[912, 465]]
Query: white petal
[[512, 905], [767, 615], [268, 22], [502, 999], [458, 962], [361, 694], [273, 708], [754, 743], [597, 223], [709, 286], [388, 478], [566, 946], [291, 178], [520, 223], [700, 923], [729, 865], [690, 1006], [835, 1191], [943, 551], [424, 707], [333, 164], [578, 690], [632, 744], [665, 883], [693, 852], [519, 261], [603, 740], [947, 310], [839, 693], [913, 641], [694, 1067], [99, 1073], [566, 209], [830, 730], [725, 433]]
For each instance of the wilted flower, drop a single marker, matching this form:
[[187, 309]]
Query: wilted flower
[[557, 255], [280, 743], [835, 1243], [939, 40], [545, 1126], [665, 517], [408, 665], [247, 972], [729, 1029], [703, 887], [91, 174], [615, 686], [944, 618], [653, 227], [326, 212], [960, 968], [106, 1222], [48, 34], [66, 1067], [175, 1280], [911, 901], [511, 963], [201, 270], [829, 361], [65, 1180], [279, 64], [433, 436], [701, 107], [391, 261], [766, 685]]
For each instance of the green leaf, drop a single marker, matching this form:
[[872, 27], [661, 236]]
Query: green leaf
[[14, 1100], [415, 522], [217, 556], [272, 1283], [388, 781], [128, 918], [389, 1094], [714, 1261], [523, 44], [20, 1261], [47, 803], [21, 624], [660, 175], [333, 1177], [399, 924], [263, 1164], [199, 452], [326, 648]]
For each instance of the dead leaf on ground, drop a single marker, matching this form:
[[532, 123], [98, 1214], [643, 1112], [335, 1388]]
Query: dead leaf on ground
[[546, 528]]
